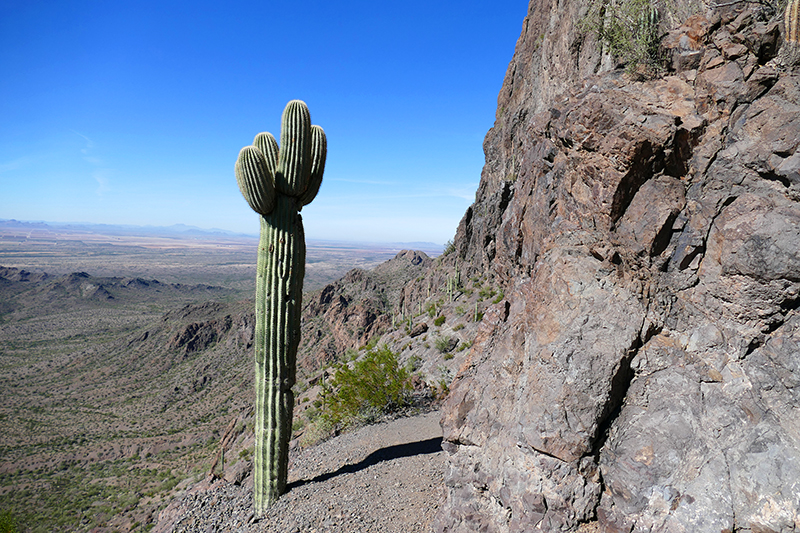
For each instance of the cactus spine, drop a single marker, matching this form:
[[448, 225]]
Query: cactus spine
[[277, 183]]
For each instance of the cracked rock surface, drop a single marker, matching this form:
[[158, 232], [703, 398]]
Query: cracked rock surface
[[642, 372]]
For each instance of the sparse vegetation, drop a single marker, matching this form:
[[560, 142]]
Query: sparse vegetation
[[413, 364], [431, 309], [147, 370], [443, 344], [449, 248], [628, 30], [367, 388], [8, 524], [486, 292]]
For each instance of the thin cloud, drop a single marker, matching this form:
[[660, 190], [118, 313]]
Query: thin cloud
[[86, 150], [89, 142], [466, 192], [101, 177], [100, 174], [14, 165]]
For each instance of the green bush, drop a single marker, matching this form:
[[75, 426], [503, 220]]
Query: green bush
[[431, 310], [449, 248], [413, 364], [487, 292], [439, 320], [443, 344], [8, 524], [629, 30], [374, 385]]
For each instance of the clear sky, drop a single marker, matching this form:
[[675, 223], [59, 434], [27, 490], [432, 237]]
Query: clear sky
[[134, 112]]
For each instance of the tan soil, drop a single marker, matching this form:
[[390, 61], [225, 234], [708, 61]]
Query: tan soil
[[382, 478]]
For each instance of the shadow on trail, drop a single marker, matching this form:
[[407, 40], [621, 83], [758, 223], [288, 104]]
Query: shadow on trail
[[389, 453]]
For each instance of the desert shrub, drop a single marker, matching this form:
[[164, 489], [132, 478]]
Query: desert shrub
[[629, 30], [443, 344], [319, 430], [431, 309], [439, 320], [449, 248], [413, 364], [458, 327], [373, 342], [499, 298], [487, 292], [8, 524], [374, 385]]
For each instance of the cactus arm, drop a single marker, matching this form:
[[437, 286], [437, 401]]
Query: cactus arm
[[294, 166], [269, 147], [255, 180], [319, 152]]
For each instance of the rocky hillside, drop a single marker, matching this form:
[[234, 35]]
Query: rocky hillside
[[641, 372], [126, 390]]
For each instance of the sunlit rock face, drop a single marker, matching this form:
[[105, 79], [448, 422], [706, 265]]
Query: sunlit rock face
[[643, 371]]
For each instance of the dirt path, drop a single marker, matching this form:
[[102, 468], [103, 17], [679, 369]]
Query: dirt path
[[382, 478]]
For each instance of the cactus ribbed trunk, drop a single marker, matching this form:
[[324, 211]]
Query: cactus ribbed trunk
[[277, 182], [279, 292]]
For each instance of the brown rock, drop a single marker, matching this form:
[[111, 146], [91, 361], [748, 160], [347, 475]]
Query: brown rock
[[641, 371], [418, 330]]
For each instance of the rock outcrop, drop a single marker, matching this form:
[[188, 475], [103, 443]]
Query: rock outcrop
[[349, 312], [642, 372]]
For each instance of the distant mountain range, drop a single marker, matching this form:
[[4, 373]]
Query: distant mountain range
[[120, 229], [183, 230]]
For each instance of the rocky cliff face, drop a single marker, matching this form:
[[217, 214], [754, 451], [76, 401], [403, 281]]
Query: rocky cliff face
[[643, 371]]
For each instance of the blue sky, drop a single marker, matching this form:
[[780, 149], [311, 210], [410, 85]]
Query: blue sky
[[134, 112]]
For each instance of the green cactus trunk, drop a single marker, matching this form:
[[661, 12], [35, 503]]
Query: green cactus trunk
[[277, 183], [279, 292]]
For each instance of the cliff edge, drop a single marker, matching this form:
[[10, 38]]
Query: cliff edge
[[642, 372]]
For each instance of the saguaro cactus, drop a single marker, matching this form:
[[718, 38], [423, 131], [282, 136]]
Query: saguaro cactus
[[792, 20], [789, 54], [277, 183]]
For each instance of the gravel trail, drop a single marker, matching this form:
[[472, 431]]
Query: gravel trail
[[382, 478]]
